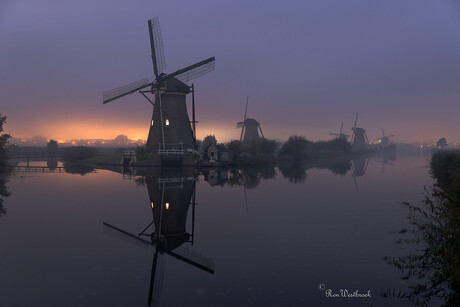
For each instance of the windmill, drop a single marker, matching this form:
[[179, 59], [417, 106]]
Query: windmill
[[384, 140], [249, 127], [359, 140], [359, 168], [170, 198], [340, 135], [170, 131]]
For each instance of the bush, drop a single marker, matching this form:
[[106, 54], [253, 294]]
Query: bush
[[73, 154], [294, 148], [3, 141]]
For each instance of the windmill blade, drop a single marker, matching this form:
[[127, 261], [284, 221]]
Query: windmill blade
[[193, 71], [156, 279], [156, 46], [124, 90], [246, 110], [240, 124], [245, 195], [356, 120], [260, 129], [356, 183], [186, 255], [383, 133], [341, 126], [124, 235], [242, 129]]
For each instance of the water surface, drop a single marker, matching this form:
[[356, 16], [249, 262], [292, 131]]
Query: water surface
[[251, 238]]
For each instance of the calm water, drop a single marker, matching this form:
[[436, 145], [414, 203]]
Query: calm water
[[251, 238]]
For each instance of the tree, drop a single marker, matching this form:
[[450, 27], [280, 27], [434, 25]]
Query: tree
[[52, 146], [3, 141], [441, 143], [208, 140]]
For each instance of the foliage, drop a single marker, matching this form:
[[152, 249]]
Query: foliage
[[73, 154], [434, 271], [441, 143], [4, 193], [3, 141], [256, 152], [445, 167], [52, 146], [298, 148], [294, 148], [208, 140]]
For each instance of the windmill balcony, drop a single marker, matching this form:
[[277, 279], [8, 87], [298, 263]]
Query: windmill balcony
[[171, 149]]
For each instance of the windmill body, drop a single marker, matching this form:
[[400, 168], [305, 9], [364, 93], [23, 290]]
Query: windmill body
[[249, 128], [359, 140], [384, 141], [172, 119], [340, 135]]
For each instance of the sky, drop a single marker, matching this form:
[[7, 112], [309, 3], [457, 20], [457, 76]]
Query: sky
[[305, 65]]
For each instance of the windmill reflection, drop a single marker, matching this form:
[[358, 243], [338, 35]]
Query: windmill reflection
[[170, 196], [359, 167]]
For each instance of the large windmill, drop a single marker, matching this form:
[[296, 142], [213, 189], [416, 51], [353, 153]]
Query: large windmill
[[170, 131], [340, 135], [170, 198], [359, 140], [249, 127], [384, 140]]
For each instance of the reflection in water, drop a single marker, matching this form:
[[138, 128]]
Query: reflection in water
[[3, 189], [78, 169], [359, 168], [52, 164], [171, 195], [294, 172]]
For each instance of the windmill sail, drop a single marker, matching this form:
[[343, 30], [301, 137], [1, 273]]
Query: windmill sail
[[124, 90], [156, 46], [194, 71]]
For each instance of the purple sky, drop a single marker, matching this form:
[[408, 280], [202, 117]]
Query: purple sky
[[305, 65]]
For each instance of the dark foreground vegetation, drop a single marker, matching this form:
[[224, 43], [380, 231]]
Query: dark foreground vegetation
[[4, 172], [432, 274]]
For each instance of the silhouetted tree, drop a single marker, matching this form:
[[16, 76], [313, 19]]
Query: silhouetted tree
[[208, 140], [52, 146], [441, 143], [3, 141], [294, 148]]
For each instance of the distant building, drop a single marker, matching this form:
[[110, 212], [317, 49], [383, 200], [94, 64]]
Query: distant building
[[216, 153]]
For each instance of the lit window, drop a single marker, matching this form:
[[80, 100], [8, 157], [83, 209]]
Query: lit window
[[151, 124], [151, 204], [167, 122], [167, 206]]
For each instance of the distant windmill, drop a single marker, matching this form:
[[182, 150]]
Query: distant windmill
[[249, 127], [384, 140], [170, 131], [340, 135], [359, 140]]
